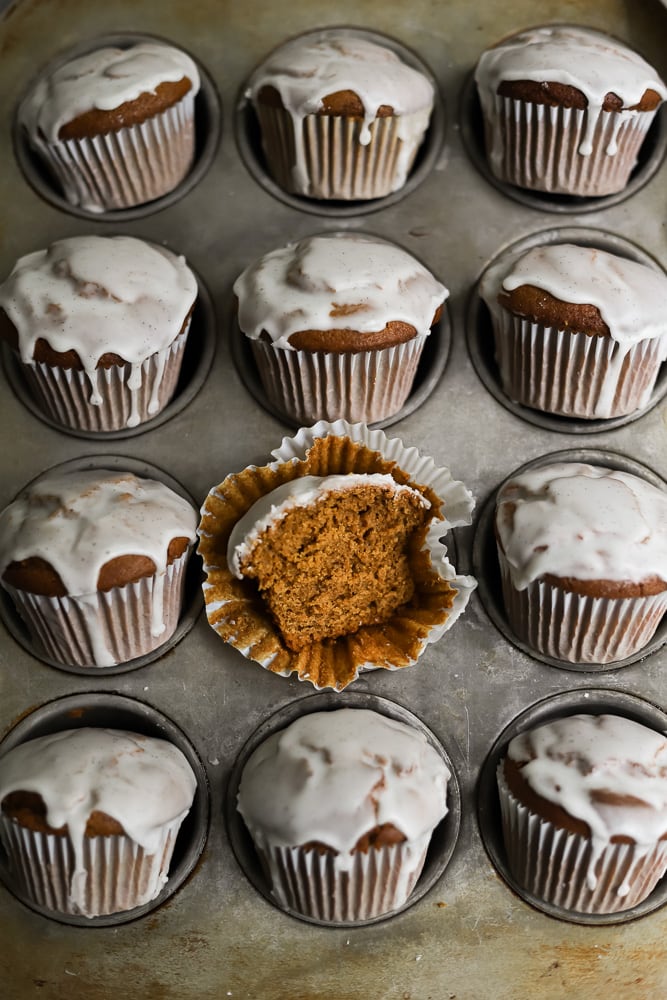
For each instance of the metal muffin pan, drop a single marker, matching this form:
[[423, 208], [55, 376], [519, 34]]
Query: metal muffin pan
[[192, 597], [114, 711], [487, 570], [594, 701], [445, 835]]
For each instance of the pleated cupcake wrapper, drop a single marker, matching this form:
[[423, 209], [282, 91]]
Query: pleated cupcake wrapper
[[318, 385], [332, 887], [537, 147], [578, 628], [129, 167], [108, 627], [237, 613], [129, 394], [322, 156], [573, 374], [116, 873], [566, 870]]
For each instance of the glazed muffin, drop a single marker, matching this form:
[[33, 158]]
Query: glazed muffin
[[89, 818], [584, 811], [583, 560], [337, 324], [578, 331], [95, 561], [99, 325], [340, 116], [341, 806], [332, 562], [115, 126], [566, 110]]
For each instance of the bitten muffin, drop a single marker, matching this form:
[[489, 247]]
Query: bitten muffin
[[116, 126], [566, 109], [337, 325], [340, 116], [89, 818], [578, 331], [341, 806], [583, 560], [99, 325], [584, 811], [331, 561], [95, 563]]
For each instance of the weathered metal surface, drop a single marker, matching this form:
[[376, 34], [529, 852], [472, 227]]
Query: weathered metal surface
[[470, 937]]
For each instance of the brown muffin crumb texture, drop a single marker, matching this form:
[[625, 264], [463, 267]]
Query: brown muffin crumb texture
[[563, 95], [146, 105], [538, 306], [343, 103], [28, 810], [383, 835]]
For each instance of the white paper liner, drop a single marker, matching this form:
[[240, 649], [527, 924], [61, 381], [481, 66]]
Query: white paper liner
[[539, 147], [335, 887], [565, 869], [319, 385], [116, 873], [128, 394], [578, 628], [108, 627], [129, 167], [573, 374], [323, 156]]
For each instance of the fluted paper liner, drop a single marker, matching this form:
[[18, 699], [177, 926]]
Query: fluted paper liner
[[535, 146], [561, 867], [116, 874], [578, 628], [571, 373], [366, 386], [236, 611], [134, 165], [107, 627]]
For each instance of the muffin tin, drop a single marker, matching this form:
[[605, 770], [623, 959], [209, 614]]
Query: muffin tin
[[466, 932]]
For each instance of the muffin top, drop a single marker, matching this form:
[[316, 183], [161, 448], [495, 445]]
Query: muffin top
[[605, 770], [629, 299], [331, 777], [342, 283], [141, 782], [103, 80], [80, 524], [574, 521]]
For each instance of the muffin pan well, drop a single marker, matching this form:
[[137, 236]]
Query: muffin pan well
[[464, 932]]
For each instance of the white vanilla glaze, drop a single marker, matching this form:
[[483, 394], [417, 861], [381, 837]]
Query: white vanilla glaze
[[102, 80], [98, 295], [333, 776], [142, 782], [307, 285], [582, 521], [78, 521], [573, 761], [579, 57], [302, 492]]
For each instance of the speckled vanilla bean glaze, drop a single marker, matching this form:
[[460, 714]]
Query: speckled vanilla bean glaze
[[103, 79], [333, 776], [97, 295], [582, 521], [301, 492], [334, 281]]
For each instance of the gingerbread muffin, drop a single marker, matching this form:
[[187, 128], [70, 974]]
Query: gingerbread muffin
[[578, 331], [95, 563], [89, 818], [340, 116], [583, 560], [584, 811], [566, 109], [337, 325], [99, 325], [116, 126], [341, 806]]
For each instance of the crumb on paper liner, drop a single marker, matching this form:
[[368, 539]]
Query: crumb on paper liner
[[235, 609]]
